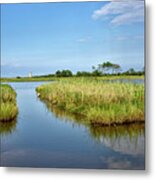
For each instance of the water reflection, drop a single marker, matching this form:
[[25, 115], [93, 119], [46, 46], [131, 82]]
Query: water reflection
[[132, 131], [49, 137], [65, 116], [126, 139], [124, 80], [7, 128]]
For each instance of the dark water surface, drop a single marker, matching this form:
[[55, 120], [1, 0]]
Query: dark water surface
[[42, 138]]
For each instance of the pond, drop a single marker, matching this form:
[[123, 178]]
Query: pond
[[44, 137]]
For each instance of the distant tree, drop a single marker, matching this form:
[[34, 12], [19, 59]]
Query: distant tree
[[116, 68], [18, 77], [131, 71], [96, 73], [66, 73], [108, 67], [83, 73], [63, 73], [102, 68], [78, 73], [93, 68], [58, 73]]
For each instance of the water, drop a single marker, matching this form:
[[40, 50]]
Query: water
[[124, 80], [40, 137]]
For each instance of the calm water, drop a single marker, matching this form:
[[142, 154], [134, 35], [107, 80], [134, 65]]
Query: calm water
[[44, 137], [123, 80]]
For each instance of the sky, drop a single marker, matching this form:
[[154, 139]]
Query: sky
[[45, 37]]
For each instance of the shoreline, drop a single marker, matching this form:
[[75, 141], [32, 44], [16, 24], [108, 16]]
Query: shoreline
[[9, 109], [46, 79], [98, 103]]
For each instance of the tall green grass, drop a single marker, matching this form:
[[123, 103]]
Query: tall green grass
[[8, 107], [98, 102]]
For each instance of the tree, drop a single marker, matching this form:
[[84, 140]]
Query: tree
[[96, 73], [63, 73], [107, 66], [66, 73], [18, 77], [93, 67], [83, 73], [58, 73], [116, 68], [131, 71]]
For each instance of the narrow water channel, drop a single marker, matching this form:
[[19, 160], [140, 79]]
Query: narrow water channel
[[42, 138]]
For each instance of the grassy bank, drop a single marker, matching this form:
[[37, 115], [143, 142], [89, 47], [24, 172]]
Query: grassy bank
[[36, 79], [25, 79], [98, 102], [8, 107]]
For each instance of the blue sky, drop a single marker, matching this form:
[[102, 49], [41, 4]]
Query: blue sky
[[43, 38]]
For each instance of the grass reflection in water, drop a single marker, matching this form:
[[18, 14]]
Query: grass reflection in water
[[8, 127], [128, 139]]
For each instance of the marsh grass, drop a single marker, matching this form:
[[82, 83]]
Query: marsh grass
[[98, 102], [8, 107]]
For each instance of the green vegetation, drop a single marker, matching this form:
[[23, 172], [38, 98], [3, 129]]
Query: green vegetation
[[26, 79], [106, 69], [50, 78], [96, 101], [8, 107], [64, 73]]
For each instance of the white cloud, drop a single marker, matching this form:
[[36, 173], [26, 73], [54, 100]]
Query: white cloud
[[83, 40], [119, 12]]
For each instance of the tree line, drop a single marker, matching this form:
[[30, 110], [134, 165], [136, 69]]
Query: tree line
[[104, 69]]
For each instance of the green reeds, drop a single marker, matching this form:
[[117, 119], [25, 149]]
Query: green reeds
[[98, 102], [8, 107]]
